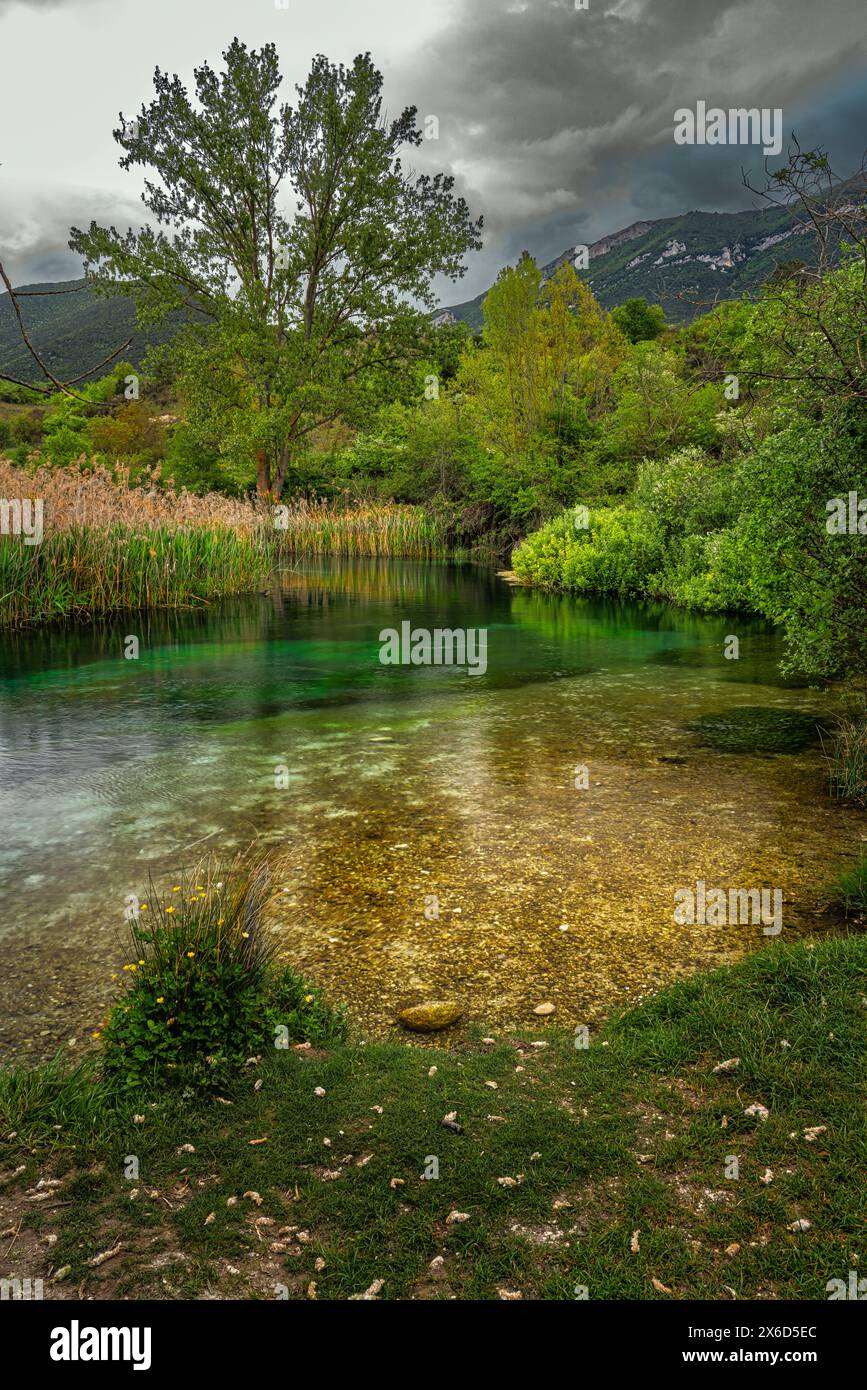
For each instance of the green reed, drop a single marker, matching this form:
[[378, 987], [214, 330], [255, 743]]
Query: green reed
[[84, 571], [369, 529]]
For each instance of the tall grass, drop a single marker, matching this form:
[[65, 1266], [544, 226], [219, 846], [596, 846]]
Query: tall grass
[[378, 529], [86, 571], [108, 547], [850, 889], [846, 756]]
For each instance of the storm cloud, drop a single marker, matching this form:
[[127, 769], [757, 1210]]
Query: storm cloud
[[556, 122]]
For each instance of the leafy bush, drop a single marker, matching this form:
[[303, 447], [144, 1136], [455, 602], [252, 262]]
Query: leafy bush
[[203, 991], [709, 572], [688, 492], [619, 552]]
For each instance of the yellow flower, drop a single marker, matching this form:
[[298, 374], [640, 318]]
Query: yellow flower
[[170, 909], [221, 921], [199, 888], [191, 954], [245, 934], [96, 1035], [141, 962], [161, 999], [130, 967], [144, 907], [308, 999], [177, 888]]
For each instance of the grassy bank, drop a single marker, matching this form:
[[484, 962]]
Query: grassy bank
[[81, 573], [617, 1159]]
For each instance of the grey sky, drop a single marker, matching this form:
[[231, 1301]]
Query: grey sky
[[557, 123]]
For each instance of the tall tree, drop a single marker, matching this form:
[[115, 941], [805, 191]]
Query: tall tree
[[294, 319]]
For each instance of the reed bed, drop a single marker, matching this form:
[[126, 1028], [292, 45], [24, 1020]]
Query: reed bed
[[80, 496], [375, 529], [108, 548]]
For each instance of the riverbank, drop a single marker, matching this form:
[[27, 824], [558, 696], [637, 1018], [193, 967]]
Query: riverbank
[[707, 1144], [79, 543]]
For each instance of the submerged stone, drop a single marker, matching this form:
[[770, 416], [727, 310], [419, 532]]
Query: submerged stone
[[429, 1018]]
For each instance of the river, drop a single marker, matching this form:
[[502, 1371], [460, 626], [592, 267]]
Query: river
[[429, 829]]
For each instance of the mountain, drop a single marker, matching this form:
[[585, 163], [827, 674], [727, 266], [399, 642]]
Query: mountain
[[684, 263], [72, 330]]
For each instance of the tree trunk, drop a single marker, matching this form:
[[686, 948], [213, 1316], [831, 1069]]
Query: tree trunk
[[282, 467], [263, 474]]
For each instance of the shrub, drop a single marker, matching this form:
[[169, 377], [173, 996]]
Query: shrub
[[203, 992], [688, 492], [709, 572], [619, 552]]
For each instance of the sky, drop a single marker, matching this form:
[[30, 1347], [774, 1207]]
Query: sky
[[557, 122]]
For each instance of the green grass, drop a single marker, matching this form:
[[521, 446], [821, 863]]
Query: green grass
[[850, 889], [83, 572], [633, 1133]]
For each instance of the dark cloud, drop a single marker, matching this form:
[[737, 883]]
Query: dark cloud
[[33, 247], [559, 123]]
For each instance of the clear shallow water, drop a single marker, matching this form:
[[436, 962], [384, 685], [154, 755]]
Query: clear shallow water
[[404, 783]]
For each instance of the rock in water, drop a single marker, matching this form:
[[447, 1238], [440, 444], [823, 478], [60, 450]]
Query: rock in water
[[429, 1018]]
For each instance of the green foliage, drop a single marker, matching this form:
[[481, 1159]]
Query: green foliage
[[813, 583], [687, 492], [65, 436], [190, 464], [204, 993], [638, 320], [82, 572], [296, 321], [850, 890], [750, 489], [619, 552]]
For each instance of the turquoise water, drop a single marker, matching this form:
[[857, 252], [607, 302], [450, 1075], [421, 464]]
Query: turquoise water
[[397, 786]]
